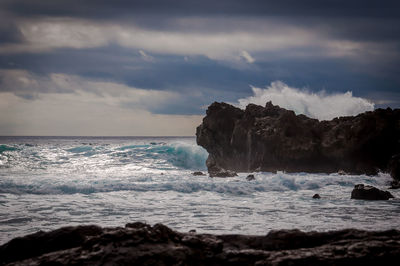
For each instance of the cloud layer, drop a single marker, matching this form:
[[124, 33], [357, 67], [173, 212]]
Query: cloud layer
[[140, 61], [318, 105]]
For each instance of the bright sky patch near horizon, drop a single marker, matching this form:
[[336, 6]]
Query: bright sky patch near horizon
[[151, 67]]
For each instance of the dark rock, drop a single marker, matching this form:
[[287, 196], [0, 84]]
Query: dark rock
[[34, 245], [198, 173], [142, 244], [366, 192], [250, 178], [316, 196], [220, 172], [273, 139], [394, 167]]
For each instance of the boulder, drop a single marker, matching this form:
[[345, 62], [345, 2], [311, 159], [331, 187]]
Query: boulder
[[367, 192], [274, 139], [316, 196]]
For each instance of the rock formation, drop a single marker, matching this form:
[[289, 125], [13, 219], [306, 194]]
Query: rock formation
[[142, 244], [361, 191], [273, 139]]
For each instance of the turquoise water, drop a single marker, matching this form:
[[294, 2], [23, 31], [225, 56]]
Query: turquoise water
[[48, 182]]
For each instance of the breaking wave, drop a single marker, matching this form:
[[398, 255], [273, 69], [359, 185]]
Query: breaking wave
[[184, 182], [318, 105]]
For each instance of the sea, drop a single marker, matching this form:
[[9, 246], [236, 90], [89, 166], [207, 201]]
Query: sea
[[50, 182]]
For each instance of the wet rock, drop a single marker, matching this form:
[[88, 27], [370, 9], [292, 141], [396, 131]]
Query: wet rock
[[316, 196], [220, 172], [250, 178], [198, 173], [142, 244], [367, 192], [274, 139]]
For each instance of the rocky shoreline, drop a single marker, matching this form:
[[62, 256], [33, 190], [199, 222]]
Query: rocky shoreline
[[142, 244], [271, 139]]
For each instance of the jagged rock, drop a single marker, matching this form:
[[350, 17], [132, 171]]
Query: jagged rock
[[250, 178], [198, 173], [316, 196], [366, 192], [142, 244], [273, 139]]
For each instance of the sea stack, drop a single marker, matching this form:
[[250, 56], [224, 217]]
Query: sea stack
[[272, 139]]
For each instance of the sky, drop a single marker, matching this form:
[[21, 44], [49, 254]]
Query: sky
[[151, 67]]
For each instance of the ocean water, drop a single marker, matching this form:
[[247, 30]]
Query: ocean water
[[49, 182]]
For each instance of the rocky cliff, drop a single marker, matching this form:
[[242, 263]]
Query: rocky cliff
[[273, 139], [142, 244]]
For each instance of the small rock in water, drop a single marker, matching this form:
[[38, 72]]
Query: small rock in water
[[367, 192], [193, 231], [250, 177], [316, 196], [198, 173]]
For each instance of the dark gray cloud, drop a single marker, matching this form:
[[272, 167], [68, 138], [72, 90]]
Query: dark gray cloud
[[367, 33], [114, 9]]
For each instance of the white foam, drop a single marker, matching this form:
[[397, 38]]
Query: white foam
[[320, 105]]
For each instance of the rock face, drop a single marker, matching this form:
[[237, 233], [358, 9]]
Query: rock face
[[361, 191], [273, 139], [141, 244]]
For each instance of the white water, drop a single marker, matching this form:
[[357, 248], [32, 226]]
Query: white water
[[46, 183]]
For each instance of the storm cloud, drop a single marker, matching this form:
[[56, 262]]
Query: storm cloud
[[176, 57]]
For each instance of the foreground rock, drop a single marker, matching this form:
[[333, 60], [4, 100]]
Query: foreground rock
[[273, 139], [141, 244], [366, 192]]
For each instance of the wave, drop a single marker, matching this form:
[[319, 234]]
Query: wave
[[179, 154], [153, 154], [185, 183], [4, 148]]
